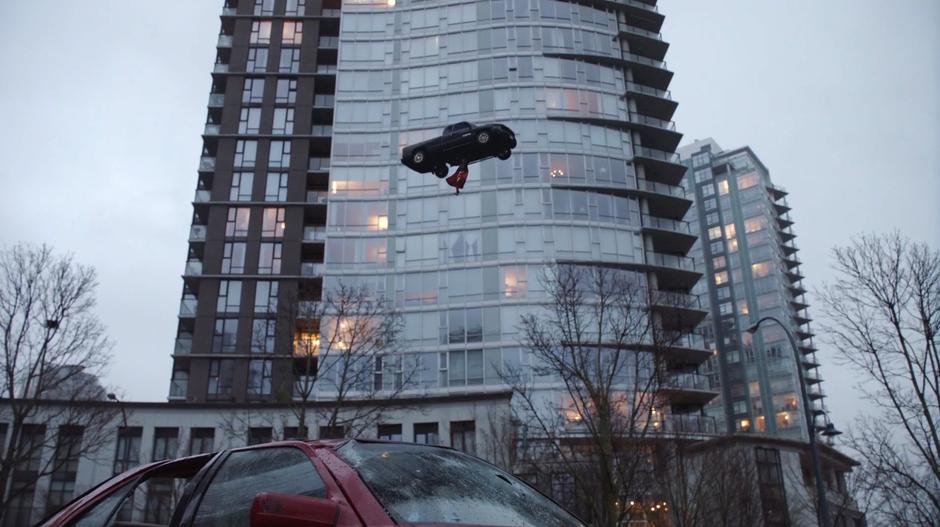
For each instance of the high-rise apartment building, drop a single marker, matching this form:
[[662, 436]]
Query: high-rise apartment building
[[748, 252], [301, 188]]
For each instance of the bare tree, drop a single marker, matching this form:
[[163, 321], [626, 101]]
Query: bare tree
[[883, 315], [598, 338], [54, 347], [345, 358]]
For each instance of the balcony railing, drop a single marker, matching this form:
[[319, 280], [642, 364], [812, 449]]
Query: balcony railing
[[211, 129], [197, 233], [225, 41], [324, 101], [676, 191], [318, 163], [193, 268], [686, 381], [206, 163], [640, 5], [685, 424], [644, 60], [329, 12], [220, 68], [184, 346], [178, 388], [328, 42], [216, 100], [326, 68], [202, 196], [648, 90], [188, 307], [318, 197], [670, 260], [639, 118], [314, 234], [659, 297], [228, 11], [666, 224], [321, 130], [311, 269], [659, 155], [640, 31]]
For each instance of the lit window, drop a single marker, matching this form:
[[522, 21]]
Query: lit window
[[723, 186], [732, 245], [306, 344], [743, 309], [293, 32], [748, 180], [514, 281], [760, 269], [272, 225], [714, 233], [729, 231], [383, 223], [721, 278], [754, 224]]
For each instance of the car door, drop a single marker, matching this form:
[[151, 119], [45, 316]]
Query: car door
[[226, 498]]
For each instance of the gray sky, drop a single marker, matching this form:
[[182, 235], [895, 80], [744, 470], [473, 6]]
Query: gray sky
[[840, 99]]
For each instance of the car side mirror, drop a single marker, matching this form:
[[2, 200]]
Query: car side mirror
[[270, 509]]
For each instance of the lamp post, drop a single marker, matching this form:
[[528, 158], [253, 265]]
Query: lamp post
[[823, 509]]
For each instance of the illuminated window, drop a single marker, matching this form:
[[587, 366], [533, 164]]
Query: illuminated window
[[729, 231], [382, 223], [754, 224], [714, 233], [786, 419], [260, 32], [514, 281], [761, 424], [748, 180], [723, 186], [293, 32], [306, 344], [760, 269], [272, 225], [237, 223], [743, 309], [718, 262], [744, 425], [721, 278], [732, 245]]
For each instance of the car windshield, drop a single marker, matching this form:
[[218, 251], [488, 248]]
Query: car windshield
[[419, 484]]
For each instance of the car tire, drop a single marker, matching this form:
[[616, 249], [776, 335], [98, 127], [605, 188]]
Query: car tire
[[418, 157], [440, 171], [483, 138], [504, 155]]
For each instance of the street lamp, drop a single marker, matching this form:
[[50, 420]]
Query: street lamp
[[823, 511]]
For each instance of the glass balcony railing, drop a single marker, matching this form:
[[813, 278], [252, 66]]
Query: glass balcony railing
[[314, 234], [197, 233], [188, 307], [676, 191], [212, 129], [318, 197], [328, 42], [178, 388], [666, 224], [318, 164], [639, 118], [225, 41], [220, 68], [639, 59], [686, 381], [329, 12], [193, 268], [311, 269], [202, 196], [326, 69], [659, 155], [321, 130], [658, 297], [184, 346], [648, 90], [670, 260], [228, 11], [639, 5], [216, 100], [324, 101], [685, 424], [207, 163]]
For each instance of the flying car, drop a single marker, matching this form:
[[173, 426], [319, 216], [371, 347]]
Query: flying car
[[460, 145]]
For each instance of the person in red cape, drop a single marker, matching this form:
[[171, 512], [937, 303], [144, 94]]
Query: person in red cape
[[459, 178]]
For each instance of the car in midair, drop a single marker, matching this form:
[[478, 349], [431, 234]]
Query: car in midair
[[460, 144]]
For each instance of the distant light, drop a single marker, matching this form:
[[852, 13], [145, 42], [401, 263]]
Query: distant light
[[391, 3]]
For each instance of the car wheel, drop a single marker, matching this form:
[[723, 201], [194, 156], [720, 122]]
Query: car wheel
[[504, 154], [440, 171], [418, 157], [483, 138]]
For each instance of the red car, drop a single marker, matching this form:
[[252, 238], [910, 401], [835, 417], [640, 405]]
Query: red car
[[321, 483]]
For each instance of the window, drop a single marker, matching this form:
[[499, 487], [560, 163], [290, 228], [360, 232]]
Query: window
[[279, 154], [246, 152], [201, 440], [286, 92], [702, 159], [127, 453], [389, 432], [754, 224], [269, 258], [426, 433], [253, 91], [236, 224], [730, 231], [294, 8], [260, 435], [290, 60], [259, 377], [708, 190], [463, 436], [241, 186], [221, 373], [65, 467], [245, 474], [714, 233], [264, 8], [260, 32], [748, 180], [761, 269], [387, 374], [723, 186], [249, 121], [225, 335], [272, 225], [230, 296], [257, 60], [233, 258], [293, 32], [283, 121], [166, 443], [721, 277], [703, 175], [275, 188], [718, 262], [266, 297], [263, 333]]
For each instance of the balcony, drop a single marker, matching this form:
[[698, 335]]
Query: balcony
[[202, 196], [326, 69], [652, 101], [812, 377], [332, 13], [216, 100], [321, 130], [314, 234], [193, 268], [188, 307], [312, 269], [685, 424], [211, 129], [648, 71], [643, 41], [183, 346], [799, 302], [220, 68], [673, 271], [656, 133], [318, 164], [206, 163], [317, 197], [225, 41], [677, 310], [660, 166], [668, 201], [802, 317], [324, 101], [328, 42], [228, 11], [668, 235], [197, 233], [815, 392], [797, 289], [776, 192]]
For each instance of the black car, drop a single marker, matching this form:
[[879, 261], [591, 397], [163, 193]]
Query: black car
[[460, 144]]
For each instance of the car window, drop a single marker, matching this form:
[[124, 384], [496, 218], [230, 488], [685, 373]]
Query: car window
[[426, 485], [99, 514], [247, 473]]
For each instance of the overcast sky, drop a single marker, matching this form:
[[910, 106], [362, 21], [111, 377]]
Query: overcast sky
[[102, 105]]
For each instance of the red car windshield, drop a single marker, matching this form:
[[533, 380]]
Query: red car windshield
[[425, 485]]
